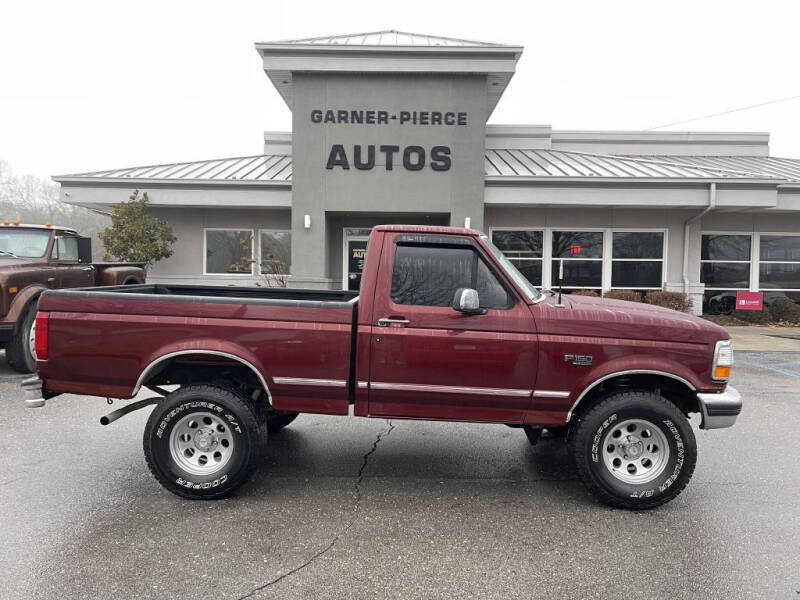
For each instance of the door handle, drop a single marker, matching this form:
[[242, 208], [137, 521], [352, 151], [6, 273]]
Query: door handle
[[386, 321]]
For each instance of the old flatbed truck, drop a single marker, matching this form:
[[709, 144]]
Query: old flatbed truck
[[34, 258], [444, 328]]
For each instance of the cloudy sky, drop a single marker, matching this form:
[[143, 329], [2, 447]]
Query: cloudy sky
[[94, 85]]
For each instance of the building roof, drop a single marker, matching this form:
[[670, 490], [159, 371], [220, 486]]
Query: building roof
[[387, 37], [786, 168], [518, 163], [500, 165], [260, 169]]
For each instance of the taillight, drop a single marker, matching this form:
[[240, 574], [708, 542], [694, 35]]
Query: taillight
[[42, 335]]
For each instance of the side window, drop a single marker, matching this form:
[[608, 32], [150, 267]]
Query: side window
[[430, 276], [66, 248]]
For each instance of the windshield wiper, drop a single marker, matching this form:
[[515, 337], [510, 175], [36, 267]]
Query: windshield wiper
[[6, 252]]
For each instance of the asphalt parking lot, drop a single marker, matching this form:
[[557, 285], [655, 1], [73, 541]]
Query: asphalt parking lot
[[358, 508]]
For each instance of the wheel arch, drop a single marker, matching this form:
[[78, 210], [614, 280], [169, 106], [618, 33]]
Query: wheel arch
[[22, 302], [676, 389], [163, 361]]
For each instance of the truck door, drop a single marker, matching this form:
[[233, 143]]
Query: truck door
[[428, 360], [70, 272]]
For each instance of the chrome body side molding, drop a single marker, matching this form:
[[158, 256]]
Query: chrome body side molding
[[550, 394], [447, 389], [337, 383]]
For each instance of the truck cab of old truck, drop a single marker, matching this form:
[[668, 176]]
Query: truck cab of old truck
[[444, 327]]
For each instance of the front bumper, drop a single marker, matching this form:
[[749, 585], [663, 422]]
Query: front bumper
[[720, 409]]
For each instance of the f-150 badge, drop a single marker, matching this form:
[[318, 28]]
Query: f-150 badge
[[583, 360]]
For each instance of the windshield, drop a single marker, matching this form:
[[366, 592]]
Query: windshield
[[30, 243], [513, 272]]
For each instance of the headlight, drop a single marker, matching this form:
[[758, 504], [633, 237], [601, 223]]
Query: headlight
[[723, 361]]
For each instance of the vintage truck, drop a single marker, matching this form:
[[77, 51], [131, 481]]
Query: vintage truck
[[34, 258], [444, 328]]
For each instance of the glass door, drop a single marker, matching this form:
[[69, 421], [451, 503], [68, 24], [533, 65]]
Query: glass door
[[355, 251]]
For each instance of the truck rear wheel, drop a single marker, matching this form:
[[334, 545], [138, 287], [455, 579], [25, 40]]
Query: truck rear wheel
[[634, 450], [203, 441], [21, 350]]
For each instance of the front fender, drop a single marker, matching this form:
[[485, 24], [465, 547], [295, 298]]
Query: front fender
[[21, 302]]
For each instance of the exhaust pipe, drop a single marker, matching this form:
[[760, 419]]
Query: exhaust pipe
[[129, 408]]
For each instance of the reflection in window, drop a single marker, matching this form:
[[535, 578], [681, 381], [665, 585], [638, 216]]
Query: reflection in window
[[725, 261], [430, 276], [779, 262], [637, 259], [524, 249], [582, 253], [229, 251], [276, 252]]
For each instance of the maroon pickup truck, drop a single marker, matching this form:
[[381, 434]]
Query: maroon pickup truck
[[444, 328]]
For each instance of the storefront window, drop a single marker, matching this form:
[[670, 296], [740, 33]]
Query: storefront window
[[637, 259], [229, 251], [725, 261], [275, 252], [779, 262], [582, 253], [524, 249]]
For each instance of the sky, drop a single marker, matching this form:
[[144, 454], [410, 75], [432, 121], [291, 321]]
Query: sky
[[94, 85]]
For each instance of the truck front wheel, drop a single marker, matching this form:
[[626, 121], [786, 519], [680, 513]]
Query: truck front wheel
[[203, 441], [634, 450]]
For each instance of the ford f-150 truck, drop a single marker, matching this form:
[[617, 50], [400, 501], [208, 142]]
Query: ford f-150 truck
[[34, 258], [444, 327]]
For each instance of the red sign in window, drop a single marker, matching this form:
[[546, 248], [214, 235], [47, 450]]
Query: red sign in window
[[749, 300], [575, 249]]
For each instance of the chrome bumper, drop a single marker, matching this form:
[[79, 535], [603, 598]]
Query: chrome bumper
[[721, 409], [32, 389]]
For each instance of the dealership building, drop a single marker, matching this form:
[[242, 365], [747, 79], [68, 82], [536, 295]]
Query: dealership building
[[391, 127]]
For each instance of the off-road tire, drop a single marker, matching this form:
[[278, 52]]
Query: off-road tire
[[18, 350], [243, 429], [589, 437], [277, 421]]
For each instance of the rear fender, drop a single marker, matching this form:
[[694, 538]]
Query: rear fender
[[211, 347]]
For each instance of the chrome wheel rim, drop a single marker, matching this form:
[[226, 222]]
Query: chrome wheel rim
[[201, 443], [32, 340], [635, 451]]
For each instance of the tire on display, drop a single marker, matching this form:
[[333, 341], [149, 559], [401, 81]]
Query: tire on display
[[203, 441], [634, 449], [277, 421], [21, 351]]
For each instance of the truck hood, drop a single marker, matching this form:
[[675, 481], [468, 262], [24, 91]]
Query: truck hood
[[602, 317]]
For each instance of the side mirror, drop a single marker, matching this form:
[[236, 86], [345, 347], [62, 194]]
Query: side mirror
[[466, 301], [85, 250]]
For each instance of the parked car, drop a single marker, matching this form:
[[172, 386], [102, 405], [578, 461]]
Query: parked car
[[724, 303], [35, 258], [444, 328]]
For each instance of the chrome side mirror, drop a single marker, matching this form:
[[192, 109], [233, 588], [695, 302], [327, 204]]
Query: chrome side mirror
[[466, 300]]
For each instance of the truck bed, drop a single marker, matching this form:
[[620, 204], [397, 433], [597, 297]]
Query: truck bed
[[103, 339]]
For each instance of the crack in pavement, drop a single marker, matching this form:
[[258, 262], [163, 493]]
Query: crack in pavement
[[345, 529]]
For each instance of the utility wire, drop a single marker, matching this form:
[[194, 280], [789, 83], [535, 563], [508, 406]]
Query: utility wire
[[725, 112]]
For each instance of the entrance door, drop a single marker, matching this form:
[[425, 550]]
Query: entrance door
[[355, 250]]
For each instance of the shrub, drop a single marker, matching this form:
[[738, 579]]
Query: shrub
[[783, 309], [585, 293], [629, 295], [756, 317], [674, 300]]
